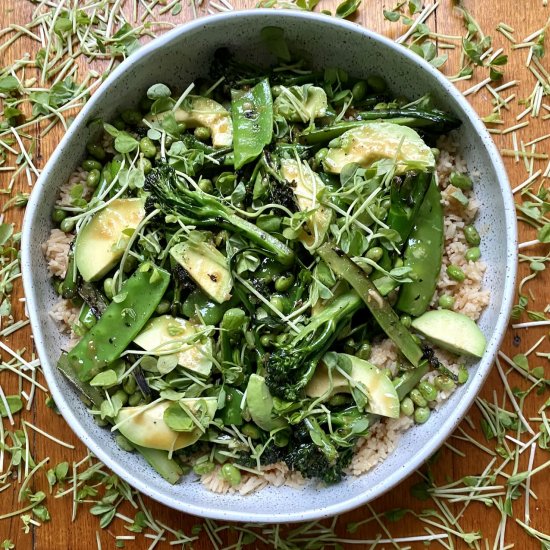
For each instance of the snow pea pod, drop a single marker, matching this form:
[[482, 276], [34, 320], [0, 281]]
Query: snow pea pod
[[119, 324], [252, 116], [423, 255]]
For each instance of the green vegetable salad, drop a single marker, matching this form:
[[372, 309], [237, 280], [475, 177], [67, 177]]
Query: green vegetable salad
[[242, 246]]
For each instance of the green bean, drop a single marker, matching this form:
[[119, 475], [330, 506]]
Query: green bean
[[231, 474], [58, 215], [471, 235], [91, 164], [417, 398], [473, 254], [407, 406], [421, 415], [284, 282], [455, 273], [147, 147], [446, 301], [427, 390]]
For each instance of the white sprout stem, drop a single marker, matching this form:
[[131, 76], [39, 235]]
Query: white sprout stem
[[420, 19], [50, 437], [528, 244], [531, 324]]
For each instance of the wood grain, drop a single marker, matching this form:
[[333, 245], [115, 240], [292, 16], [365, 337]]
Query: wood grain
[[61, 533]]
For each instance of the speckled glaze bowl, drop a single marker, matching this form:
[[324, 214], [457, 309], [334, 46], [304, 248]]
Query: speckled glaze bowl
[[177, 58]]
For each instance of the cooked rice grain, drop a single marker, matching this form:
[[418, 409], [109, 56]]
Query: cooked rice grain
[[56, 251]]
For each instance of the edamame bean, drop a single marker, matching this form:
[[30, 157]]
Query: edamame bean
[[446, 301], [462, 181], [428, 391], [91, 164], [266, 340], [134, 399], [418, 398], [203, 468], [146, 165], [123, 443], [284, 282], [249, 430], [231, 473], [233, 319], [376, 83], [121, 395], [407, 406], [406, 320], [206, 185], [473, 254], [67, 225], [277, 302], [471, 235], [455, 273], [375, 253], [367, 268], [421, 415], [281, 438], [58, 215], [96, 150], [321, 155], [130, 264], [359, 90], [89, 321], [182, 127], [202, 133], [147, 147], [364, 351], [163, 307], [93, 178], [129, 385], [108, 288], [131, 116], [444, 383]]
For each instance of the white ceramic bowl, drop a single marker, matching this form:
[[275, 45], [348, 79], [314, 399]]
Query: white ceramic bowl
[[177, 58]]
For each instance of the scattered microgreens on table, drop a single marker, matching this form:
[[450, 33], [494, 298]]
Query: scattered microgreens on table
[[44, 89]]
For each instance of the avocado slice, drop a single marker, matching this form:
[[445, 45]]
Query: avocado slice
[[206, 265], [374, 141], [202, 111], [307, 187], [165, 333], [452, 331], [301, 103], [148, 429], [260, 404], [101, 243], [381, 393]]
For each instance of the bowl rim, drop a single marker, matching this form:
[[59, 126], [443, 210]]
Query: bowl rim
[[475, 385]]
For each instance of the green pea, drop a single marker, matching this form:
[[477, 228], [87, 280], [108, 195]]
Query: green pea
[[266, 340], [444, 383], [91, 164], [407, 406], [131, 116], [67, 225], [89, 321], [427, 390], [421, 415], [203, 468], [123, 443], [108, 288], [446, 301], [406, 320], [375, 253], [58, 215], [129, 385], [231, 473], [93, 178], [146, 165], [163, 307], [147, 147], [376, 83], [321, 155], [269, 223], [281, 438], [455, 273], [417, 398], [96, 151], [206, 185], [134, 399], [462, 181], [277, 302], [284, 282], [325, 275], [202, 133], [182, 127], [359, 90], [233, 319], [364, 351], [471, 235], [225, 183], [339, 400], [473, 254], [249, 430]]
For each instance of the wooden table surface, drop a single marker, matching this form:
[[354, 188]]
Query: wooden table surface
[[526, 17]]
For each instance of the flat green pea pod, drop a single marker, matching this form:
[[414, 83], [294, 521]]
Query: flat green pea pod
[[232, 412], [252, 115], [423, 255], [120, 323]]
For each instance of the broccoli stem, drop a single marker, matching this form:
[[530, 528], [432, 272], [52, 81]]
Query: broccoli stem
[[381, 310]]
